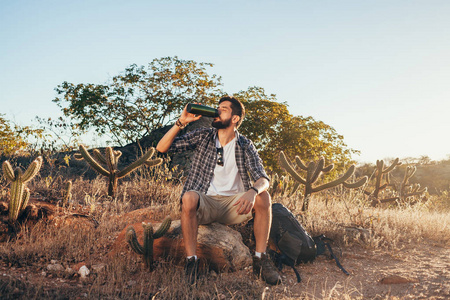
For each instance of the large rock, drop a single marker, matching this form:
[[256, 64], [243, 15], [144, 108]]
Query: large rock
[[219, 247]]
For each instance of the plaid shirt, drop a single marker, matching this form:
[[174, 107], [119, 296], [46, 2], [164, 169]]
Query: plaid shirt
[[204, 159]]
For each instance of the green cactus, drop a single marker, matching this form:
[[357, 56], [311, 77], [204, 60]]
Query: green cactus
[[407, 190], [313, 172], [381, 171], [147, 248], [67, 196], [283, 186], [20, 194], [110, 160]]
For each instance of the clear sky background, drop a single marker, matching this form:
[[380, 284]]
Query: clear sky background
[[376, 71]]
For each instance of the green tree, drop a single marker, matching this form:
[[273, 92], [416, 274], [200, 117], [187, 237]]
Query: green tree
[[14, 138], [139, 100], [272, 129], [61, 134]]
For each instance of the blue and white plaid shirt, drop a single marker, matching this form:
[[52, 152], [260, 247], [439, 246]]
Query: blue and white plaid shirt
[[205, 158]]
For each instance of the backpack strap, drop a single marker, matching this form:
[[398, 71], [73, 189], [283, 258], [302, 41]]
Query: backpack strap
[[336, 259], [322, 242]]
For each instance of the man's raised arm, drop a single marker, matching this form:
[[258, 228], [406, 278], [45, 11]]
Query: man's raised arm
[[167, 140]]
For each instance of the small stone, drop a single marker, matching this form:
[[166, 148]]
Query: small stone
[[84, 272], [69, 271], [53, 261], [55, 268]]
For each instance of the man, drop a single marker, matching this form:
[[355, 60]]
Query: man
[[218, 187]]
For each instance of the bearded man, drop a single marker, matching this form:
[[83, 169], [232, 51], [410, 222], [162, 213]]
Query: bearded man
[[227, 183]]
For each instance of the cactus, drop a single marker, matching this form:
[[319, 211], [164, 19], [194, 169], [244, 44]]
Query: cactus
[[313, 172], [410, 190], [283, 185], [67, 193], [149, 236], [110, 160], [20, 194], [381, 171], [407, 191]]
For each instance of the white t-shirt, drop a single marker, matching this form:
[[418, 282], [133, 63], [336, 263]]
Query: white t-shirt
[[226, 180]]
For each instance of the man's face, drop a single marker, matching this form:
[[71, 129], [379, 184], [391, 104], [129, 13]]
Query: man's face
[[225, 115]]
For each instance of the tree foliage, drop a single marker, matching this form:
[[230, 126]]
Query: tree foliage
[[13, 138], [139, 100], [142, 99], [61, 134], [272, 129]]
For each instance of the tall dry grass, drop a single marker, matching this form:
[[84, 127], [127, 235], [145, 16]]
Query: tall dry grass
[[341, 215]]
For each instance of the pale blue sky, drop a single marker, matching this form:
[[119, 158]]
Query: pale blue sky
[[377, 71]]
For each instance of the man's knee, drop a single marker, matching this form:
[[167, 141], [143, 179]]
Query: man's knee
[[263, 201], [190, 201]]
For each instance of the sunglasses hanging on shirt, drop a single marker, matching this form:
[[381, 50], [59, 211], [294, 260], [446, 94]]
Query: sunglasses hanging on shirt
[[220, 156]]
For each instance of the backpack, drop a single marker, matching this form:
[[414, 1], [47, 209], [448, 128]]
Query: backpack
[[294, 245]]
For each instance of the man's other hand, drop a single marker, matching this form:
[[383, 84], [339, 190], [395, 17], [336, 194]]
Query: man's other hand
[[246, 202]]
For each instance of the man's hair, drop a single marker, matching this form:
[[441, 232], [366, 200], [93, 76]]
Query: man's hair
[[237, 108]]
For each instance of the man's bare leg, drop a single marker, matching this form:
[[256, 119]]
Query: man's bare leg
[[262, 221], [189, 223], [262, 266]]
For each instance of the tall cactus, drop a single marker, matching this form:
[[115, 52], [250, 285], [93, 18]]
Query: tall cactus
[[382, 172], [282, 185], [313, 172], [408, 190], [149, 236], [67, 194], [20, 194], [110, 160]]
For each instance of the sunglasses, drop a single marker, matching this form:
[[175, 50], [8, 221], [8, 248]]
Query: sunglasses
[[220, 156]]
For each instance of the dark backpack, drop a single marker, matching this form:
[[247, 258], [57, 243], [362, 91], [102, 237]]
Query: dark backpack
[[294, 244]]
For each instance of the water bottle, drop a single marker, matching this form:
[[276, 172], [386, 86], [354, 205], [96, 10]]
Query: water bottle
[[198, 109]]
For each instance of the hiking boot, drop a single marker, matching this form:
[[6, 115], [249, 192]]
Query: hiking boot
[[265, 268], [191, 270]]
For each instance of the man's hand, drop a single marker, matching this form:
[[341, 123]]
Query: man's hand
[[186, 117], [169, 137], [246, 202]]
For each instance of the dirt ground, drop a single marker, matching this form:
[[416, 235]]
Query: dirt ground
[[416, 272], [420, 272]]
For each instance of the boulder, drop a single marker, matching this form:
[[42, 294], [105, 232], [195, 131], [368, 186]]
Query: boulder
[[219, 247]]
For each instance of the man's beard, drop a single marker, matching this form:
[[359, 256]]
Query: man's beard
[[221, 124]]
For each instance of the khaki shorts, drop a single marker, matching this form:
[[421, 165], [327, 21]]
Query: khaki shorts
[[219, 209]]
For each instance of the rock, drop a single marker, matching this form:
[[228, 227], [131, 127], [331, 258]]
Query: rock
[[69, 272], [84, 272], [140, 215], [55, 268], [218, 246], [396, 279]]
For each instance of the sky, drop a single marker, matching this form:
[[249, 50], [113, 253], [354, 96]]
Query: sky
[[378, 72]]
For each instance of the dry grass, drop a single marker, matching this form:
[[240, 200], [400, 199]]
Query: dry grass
[[387, 228], [125, 276]]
